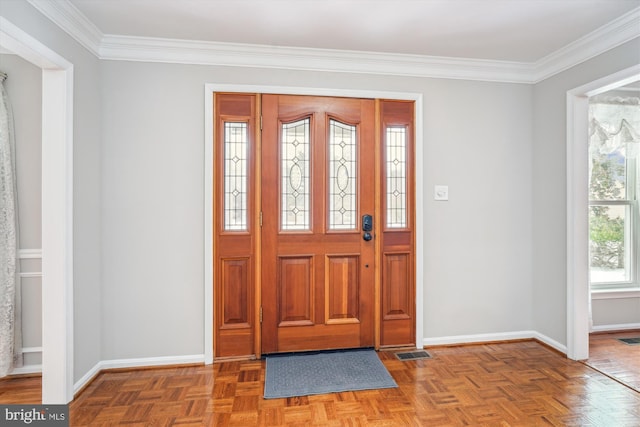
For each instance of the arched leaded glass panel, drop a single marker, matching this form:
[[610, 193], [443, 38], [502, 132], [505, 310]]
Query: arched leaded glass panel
[[343, 167], [295, 208]]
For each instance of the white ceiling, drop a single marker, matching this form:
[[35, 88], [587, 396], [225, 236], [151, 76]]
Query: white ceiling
[[502, 30]]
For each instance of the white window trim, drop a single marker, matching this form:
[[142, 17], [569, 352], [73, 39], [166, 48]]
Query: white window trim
[[620, 293], [577, 201]]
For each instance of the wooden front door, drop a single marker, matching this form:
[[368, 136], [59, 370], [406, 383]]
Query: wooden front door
[[295, 267], [318, 269]]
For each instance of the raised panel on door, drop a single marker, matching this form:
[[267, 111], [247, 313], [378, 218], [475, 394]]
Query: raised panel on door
[[236, 293], [397, 299], [295, 291], [342, 290]]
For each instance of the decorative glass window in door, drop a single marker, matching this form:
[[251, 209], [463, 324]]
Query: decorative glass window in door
[[342, 176], [396, 177], [236, 146], [295, 208]]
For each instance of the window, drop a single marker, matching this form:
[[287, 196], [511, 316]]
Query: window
[[236, 143], [342, 176], [614, 222], [296, 187], [396, 179]]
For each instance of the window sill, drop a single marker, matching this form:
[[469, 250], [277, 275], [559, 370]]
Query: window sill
[[633, 291]]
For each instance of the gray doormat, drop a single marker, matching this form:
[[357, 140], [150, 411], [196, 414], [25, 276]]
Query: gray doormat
[[630, 341], [326, 372], [413, 355]]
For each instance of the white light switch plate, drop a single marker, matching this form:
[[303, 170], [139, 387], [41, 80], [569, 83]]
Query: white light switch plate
[[441, 192]]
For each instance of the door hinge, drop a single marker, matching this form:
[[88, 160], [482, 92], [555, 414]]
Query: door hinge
[[260, 314], [260, 218], [260, 121]]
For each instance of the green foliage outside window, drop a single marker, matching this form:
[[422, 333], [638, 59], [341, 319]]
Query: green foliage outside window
[[606, 231]]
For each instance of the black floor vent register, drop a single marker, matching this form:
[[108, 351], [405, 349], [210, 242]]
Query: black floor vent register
[[413, 355], [630, 341]]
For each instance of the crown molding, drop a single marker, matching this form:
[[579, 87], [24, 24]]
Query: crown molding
[[127, 48], [619, 31], [66, 16]]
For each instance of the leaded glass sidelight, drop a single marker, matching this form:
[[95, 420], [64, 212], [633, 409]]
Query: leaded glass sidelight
[[396, 179], [295, 182], [236, 146], [342, 176]]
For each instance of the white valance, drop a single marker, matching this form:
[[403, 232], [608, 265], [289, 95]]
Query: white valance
[[604, 141], [615, 126]]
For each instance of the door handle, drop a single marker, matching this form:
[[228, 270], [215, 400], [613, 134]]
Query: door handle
[[367, 223], [367, 227]]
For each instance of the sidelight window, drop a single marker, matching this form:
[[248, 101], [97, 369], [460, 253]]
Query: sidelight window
[[396, 179], [236, 146]]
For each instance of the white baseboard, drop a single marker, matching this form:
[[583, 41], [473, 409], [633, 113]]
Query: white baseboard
[[152, 361], [501, 336], [135, 363], [87, 378], [550, 342], [200, 358], [479, 338], [27, 369], [612, 328]]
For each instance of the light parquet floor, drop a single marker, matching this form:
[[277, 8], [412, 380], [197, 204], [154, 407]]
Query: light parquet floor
[[615, 358], [507, 384]]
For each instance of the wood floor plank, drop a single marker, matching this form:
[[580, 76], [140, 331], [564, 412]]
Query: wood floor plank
[[20, 390], [615, 358], [509, 384]]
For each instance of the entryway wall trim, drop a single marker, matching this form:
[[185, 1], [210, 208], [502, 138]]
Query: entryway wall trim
[[196, 359], [135, 363], [495, 337], [578, 293], [57, 209], [209, 90]]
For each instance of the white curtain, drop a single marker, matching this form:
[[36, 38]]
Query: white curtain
[[614, 124], [10, 331], [603, 140], [614, 127]]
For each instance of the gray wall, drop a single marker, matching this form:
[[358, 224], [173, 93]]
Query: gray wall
[[24, 87], [87, 136], [615, 311], [478, 246], [550, 183]]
